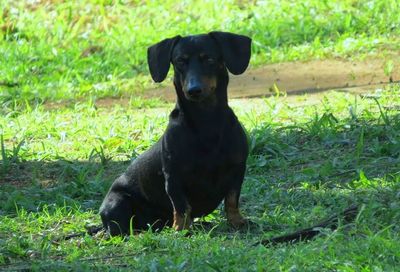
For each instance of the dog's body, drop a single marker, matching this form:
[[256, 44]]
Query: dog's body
[[201, 158]]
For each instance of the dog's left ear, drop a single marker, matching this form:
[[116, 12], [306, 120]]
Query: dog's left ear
[[236, 50], [159, 58]]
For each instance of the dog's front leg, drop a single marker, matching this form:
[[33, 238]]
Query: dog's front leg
[[231, 202], [182, 209], [233, 214], [174, 153]]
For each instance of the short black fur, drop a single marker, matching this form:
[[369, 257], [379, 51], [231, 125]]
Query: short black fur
[[200, 160]]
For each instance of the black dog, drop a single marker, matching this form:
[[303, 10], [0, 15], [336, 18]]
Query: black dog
[[201, 158]]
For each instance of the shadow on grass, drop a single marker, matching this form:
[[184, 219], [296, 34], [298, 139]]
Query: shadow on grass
[[318, 166], [32, 184], [308, 172]]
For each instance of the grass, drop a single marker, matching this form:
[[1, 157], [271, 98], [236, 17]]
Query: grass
[[64, 50], [306, 162], [61, 149]]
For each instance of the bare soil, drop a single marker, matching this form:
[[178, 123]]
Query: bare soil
[[304, 77], [291, 78]]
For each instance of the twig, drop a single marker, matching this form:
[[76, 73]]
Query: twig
[[90, 230], [308, 233]]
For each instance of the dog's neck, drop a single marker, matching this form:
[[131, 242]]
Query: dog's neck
[[199, 114]]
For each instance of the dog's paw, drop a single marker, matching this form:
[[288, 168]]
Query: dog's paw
[[238, 221], [181, 222]]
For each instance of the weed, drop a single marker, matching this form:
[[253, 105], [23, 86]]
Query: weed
[[9, 158]]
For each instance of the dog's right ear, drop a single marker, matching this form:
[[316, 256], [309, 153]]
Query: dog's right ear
[[159, 58]]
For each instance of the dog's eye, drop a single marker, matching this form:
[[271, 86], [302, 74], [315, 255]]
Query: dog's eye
[[181, 61], [210, 60]]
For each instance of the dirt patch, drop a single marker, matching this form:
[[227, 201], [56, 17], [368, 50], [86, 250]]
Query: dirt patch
[[304, 77], [292, 78]]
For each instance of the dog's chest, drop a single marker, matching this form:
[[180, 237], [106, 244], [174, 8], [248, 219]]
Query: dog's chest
[[206, 184], [208, 166]]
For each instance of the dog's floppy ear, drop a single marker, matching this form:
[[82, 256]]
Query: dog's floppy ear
[[159, 58], [235, 49]]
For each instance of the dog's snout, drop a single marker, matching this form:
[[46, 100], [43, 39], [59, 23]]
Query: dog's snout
[[194, 87]]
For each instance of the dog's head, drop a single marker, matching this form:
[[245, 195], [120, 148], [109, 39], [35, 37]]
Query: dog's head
[[199, 60]]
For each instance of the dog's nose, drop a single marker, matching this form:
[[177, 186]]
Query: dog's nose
[[194, 90]]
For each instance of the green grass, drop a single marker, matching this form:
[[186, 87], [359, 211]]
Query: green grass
[[307, 161], [63, 50], [60, 148]]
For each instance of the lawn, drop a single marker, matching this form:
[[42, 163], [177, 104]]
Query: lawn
[[64, 50], [310, 155]]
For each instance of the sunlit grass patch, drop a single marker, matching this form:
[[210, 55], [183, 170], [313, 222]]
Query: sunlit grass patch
[[307, 161], [60, 50]]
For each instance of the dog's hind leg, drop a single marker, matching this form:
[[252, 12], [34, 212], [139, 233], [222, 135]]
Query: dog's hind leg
[[117, 213], [124, 214]]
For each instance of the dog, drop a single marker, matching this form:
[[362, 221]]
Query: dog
[[200, 160]]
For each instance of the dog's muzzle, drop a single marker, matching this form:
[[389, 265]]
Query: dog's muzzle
[[194, 89]]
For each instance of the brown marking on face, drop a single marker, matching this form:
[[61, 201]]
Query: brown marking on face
[[232, 211], [182, 221], [209, 83]]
